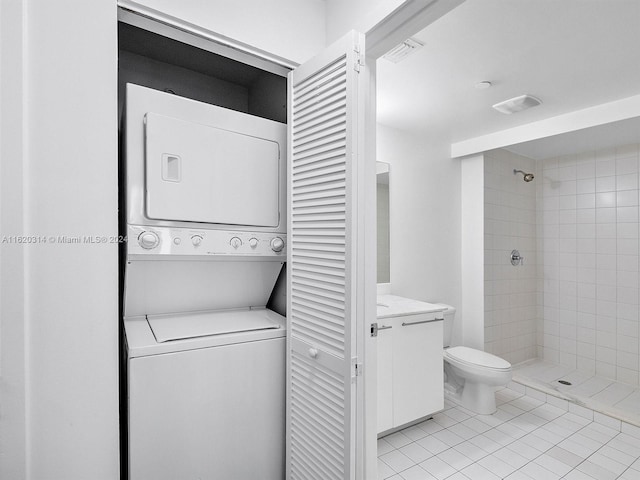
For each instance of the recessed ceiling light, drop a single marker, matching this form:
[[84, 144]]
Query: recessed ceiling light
[[517, 104], [483, 85]]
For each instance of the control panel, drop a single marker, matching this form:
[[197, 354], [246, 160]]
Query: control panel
[[186, 241]]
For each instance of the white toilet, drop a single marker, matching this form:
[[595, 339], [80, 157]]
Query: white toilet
[[471, 376]]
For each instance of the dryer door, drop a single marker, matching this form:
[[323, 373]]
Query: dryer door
[[199, 173]]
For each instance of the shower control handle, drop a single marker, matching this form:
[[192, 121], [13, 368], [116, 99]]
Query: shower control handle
[[516, 258]]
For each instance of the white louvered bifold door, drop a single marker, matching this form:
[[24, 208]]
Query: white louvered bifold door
[[325, 100]]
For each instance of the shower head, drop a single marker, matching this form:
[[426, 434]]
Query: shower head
[[527, 176]]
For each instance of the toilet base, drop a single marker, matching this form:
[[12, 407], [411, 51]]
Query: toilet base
[[479, 398]]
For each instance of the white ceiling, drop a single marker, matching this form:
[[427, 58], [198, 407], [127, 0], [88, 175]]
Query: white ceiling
[[571, 54]]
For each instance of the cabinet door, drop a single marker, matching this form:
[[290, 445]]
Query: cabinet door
[[417, 368], [385, 377]]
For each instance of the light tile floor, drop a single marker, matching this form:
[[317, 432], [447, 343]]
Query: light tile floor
[[525, 439], [598, 393]]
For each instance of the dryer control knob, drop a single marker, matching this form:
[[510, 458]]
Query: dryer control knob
[[196, 240], [253, 242], [235, 242], [148, 240], [277, 244]]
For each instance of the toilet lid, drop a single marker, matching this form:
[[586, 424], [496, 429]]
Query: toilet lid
[[477, 357]]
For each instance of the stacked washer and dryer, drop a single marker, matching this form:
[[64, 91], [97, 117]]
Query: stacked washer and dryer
[[205, 221]]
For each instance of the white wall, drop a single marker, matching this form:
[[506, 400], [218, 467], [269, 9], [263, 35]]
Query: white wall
[[291, 29], [69, 317], [469, 327], [72, 190], [424, 201], [12, 258], [361, 15]]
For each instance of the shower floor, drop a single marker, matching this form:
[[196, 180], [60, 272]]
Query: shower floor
[[615, 399]]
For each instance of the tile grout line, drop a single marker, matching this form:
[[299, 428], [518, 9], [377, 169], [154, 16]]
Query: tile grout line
[[513, 439]]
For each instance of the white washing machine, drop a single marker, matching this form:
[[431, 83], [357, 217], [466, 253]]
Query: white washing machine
[[206, 395], [205, 222]]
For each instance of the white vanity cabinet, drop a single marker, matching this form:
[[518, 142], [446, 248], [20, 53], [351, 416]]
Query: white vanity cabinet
[[410, 369], [418, 386], [385, 376]]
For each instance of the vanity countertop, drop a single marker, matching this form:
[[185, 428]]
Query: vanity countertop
[[394, 306]]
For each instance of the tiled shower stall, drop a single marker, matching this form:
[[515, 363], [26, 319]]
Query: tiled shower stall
[[574, 300]]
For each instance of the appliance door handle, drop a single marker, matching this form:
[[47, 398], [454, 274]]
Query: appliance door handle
[[408, 324], [385, 327]]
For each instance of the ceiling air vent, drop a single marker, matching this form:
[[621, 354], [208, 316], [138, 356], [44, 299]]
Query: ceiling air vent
[[402, 51]]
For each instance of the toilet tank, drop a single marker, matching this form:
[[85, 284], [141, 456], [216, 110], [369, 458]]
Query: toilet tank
[[449, 314]]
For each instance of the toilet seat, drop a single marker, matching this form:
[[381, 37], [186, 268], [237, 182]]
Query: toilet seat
[[477, 358]]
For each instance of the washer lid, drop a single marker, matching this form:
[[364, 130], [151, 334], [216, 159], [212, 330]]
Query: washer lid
[[202, 324], [477, 357]]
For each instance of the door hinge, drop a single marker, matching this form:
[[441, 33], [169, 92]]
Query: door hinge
[[356, 369], [359, 59]]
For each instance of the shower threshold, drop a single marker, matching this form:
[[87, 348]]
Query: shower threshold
[[609, 397]]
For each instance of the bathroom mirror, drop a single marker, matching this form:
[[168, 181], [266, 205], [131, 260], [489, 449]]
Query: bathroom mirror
[[382, 196]]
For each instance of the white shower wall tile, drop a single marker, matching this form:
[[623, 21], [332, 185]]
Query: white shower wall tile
[[589, 253], [511, 222]]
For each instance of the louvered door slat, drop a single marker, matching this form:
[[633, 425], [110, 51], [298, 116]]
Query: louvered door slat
[[321, 163], [319, 145], [315, 203], [321, 275], [316, 216], [333, 332], [322, 293], [308, 312], [309, 128], [322, 171], [303, 249], [300, 281], [313, 86], [328, 112], [328, 126], [308, 84], [329, 94]]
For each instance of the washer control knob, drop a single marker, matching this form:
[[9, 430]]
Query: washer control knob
[[235, 242], [196, 240], [277, 244], [148, 240], [253, 242]]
